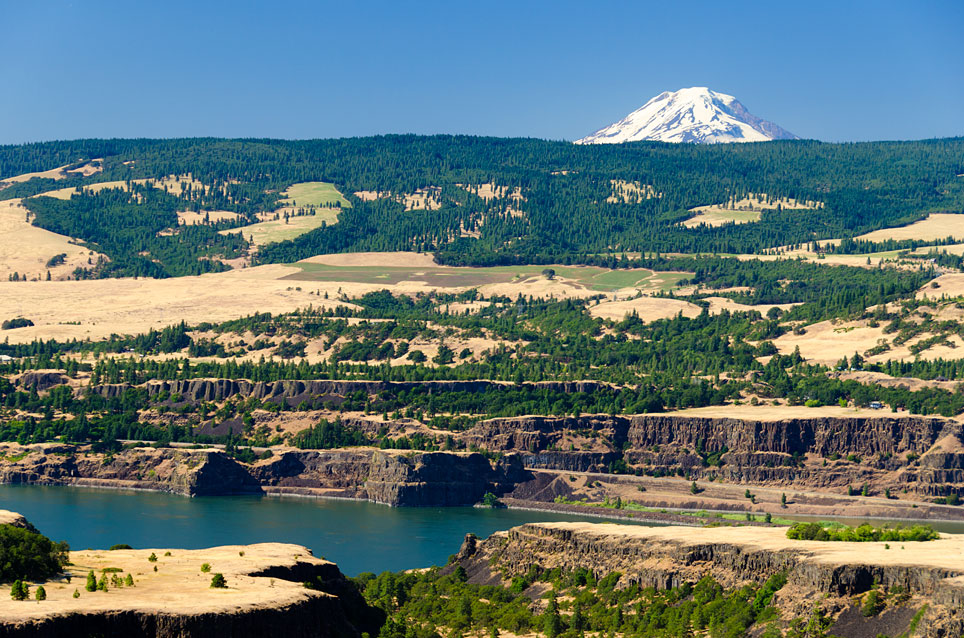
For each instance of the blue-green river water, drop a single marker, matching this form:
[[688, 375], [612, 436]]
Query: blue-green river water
[[359, 536]]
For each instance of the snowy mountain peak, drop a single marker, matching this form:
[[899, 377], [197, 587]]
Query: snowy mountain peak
[[696, 114]]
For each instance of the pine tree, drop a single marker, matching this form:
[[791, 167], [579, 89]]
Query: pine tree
[[20, 590], [552, 622], [91, 581]]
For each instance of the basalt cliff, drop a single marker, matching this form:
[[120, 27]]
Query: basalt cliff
[[888, 456], [910, 577], [396, 478]]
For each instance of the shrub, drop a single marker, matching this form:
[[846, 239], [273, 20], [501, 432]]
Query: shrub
[[41, 593], [872, 604], [119, 546], [129, 581], [19, 322], [91, 581], [205, 567], [218, 582], [491, 500], [152, 557]]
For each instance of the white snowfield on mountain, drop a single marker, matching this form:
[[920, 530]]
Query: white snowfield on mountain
[[696, 115]]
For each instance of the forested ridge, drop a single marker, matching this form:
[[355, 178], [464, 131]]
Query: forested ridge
[[563, 212]]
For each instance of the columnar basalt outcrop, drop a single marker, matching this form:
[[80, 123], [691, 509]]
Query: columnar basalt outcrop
[[295, 391], [930, 573], [434, 478], [188, 472], [397, 478], [923, 454]]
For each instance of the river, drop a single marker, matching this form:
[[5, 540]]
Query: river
[[359, 536]]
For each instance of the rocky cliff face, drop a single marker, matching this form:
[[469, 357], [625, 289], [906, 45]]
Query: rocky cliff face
[[923, 454], [187, 472], [417, 479], [295, 391], [320, 617], [668, 557], [429, 479]]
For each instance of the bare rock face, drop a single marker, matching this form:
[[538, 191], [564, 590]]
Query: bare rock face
[[16, 520], [428, 479], [41, 380], [413, 479], [296, 391], [396, 478], [922, 454], [187, 472], [338, 472]]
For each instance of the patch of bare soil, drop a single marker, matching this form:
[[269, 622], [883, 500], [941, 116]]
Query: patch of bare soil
[[646, 308], [387, 260]]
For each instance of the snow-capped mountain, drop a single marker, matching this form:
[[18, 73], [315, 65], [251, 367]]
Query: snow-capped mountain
[[695, 115]]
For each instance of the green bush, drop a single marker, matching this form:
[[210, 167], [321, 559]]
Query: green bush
[[218, 582]]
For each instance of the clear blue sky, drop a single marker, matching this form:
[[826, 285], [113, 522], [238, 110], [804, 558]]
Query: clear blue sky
[[840, 70]]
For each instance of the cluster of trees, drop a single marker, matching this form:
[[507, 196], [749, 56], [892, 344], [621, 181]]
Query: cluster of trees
[[439, 602], [128, 226], [327, 435], [865, 533]]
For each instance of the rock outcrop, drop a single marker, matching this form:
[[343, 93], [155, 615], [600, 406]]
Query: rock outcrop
[[921, 454], [930, 573], [15, 519], [396, 478], [296, 391], [179, 471]]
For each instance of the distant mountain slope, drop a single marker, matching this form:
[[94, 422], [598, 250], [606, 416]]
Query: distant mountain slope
[[696, 115]]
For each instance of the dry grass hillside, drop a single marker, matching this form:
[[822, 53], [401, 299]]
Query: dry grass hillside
[[27, 250], [744, 210]]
